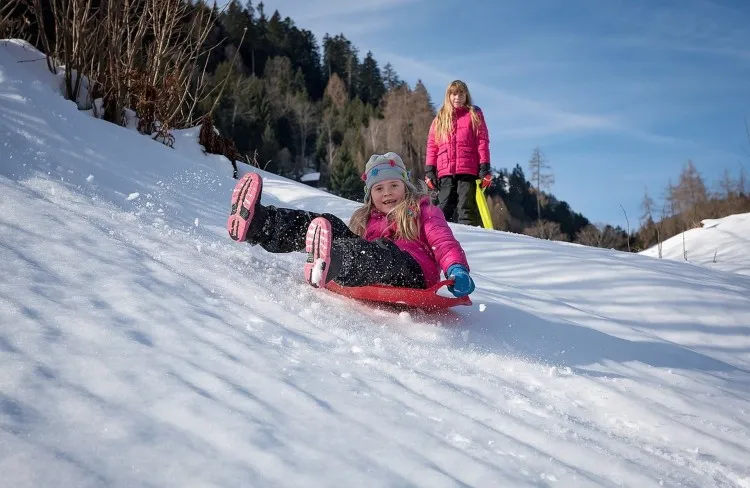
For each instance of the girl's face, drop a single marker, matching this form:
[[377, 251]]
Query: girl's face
[[458, 99], [387, 194]]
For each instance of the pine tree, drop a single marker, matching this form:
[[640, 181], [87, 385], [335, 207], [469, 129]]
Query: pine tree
[[341, 57], [234, 20], [390, 78], [345, 179], [518, 187], [371, 86], [303, 51], [276, 35]]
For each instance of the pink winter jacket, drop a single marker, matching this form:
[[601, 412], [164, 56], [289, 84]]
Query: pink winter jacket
[[465, 148], [435, 250]]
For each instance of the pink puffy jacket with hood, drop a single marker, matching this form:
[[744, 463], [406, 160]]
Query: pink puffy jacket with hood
[[464, 149], [435, 250]]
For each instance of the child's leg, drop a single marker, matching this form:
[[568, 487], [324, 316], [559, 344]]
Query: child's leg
[[467, 210], [283, 229], [377, 262], [275, 229], [447, 197], [357, 262]]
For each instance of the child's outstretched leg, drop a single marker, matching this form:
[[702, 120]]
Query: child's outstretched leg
[[356, 262], [277, 230], [375, 262]]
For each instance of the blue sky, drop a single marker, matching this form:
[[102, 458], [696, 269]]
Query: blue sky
[[618, 94]]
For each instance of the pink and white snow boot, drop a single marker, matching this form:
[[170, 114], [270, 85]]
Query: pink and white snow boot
[[318, 246], [245, 196]]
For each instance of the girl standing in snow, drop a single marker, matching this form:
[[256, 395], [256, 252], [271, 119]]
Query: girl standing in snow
[[458, 152], [396, 238]]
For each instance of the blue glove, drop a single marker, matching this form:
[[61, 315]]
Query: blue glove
[[463, 284]]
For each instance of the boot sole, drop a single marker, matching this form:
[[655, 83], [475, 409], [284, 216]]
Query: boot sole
[[244, 197], [318, 247]]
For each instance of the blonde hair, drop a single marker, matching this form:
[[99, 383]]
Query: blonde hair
[[443, 122], [405, 214]]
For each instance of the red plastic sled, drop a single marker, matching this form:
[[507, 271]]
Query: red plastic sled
[[427, 299]]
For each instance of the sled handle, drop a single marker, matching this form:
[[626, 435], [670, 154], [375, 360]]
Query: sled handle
[[434, 288]]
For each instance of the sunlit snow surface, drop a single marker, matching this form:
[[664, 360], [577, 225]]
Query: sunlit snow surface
[[140, 346]]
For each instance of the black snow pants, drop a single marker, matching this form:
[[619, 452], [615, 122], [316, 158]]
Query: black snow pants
[[457, 195], [282, 230]]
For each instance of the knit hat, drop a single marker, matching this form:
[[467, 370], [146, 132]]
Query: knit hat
[[380, 167]]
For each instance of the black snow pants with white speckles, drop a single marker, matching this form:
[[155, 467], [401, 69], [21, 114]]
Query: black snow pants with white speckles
[[359, 262]]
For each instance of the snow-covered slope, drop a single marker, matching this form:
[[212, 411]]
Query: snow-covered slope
[[719, 244], [140, 346]]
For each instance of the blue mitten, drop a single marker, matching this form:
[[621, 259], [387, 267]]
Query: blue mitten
[[463, 284]]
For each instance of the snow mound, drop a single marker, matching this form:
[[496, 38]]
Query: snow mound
[[722, 244]]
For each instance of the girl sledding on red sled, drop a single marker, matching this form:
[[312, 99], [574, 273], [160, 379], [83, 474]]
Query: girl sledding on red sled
[[396, 238]]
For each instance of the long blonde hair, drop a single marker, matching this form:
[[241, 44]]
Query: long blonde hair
[[405, 214], [443, 122]]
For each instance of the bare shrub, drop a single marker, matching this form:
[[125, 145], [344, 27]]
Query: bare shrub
[[215, 143], [545, 229], [73, 41], [8, 22], [140, 54]]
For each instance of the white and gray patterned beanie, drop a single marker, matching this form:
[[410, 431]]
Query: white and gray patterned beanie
[[388, 166]]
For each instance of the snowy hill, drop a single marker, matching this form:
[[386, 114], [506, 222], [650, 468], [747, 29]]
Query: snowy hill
[[140, 346], [719, 244]]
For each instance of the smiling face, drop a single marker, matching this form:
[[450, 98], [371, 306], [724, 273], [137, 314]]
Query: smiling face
[[387, 194]]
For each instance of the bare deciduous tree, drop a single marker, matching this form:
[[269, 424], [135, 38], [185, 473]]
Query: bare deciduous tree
[[627, 221], [305, 114], [137, 53], [670, 200], [727, 185], [600, 235], [421, 117], [372, 135], [120, 51], [7, 26], [407, 116], [541, 178], [660, 229], [175, 55], [742, 181], [334, 100], [649, 232], [647, 206], [396, 115], [689, 194], [75, 39], [589, 236]]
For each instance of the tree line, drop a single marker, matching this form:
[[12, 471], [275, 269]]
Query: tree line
[[284, 102], [527, 206]]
